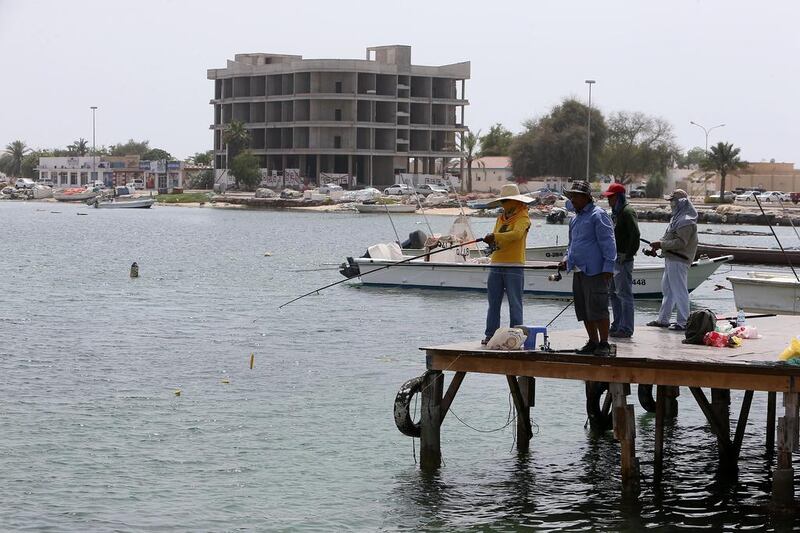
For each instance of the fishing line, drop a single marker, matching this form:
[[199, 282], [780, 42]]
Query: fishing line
[[791, 219], [392, 222], [785, 255]]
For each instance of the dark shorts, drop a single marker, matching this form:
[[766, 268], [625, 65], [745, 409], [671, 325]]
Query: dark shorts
[[591, 297]]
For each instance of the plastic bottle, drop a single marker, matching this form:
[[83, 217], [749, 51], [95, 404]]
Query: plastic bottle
[[740, 318]]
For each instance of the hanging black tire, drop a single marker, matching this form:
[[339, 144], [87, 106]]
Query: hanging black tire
[[646, 400], [598, 410], [402, 407]]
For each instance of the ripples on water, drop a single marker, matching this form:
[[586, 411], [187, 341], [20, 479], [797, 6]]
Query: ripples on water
[[95, 438]]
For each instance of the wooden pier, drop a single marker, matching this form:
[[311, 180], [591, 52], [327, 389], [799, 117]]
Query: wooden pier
[[654, 356]]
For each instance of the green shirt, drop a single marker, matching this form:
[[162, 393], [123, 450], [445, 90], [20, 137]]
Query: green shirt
[[626, 233]]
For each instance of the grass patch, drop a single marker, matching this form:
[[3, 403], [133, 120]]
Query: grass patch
[[183, 198]]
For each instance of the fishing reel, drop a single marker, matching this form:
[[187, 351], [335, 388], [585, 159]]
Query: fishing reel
[[650, 252], [555, 277]]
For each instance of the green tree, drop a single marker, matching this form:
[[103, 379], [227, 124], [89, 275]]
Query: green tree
[[693, 158], [236, 137], [203, 179], [467, 145], [79, 147], [156, 154], [722, 159], [555, 145], [129, 148], [637, 144], [245, 170], [655, 186], [496, 142], [203, 159], [16, 151]]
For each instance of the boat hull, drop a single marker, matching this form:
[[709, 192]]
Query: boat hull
[[766, 294], [63, 196], [473, 276], [750, 255], [144, 203], [384, 208]]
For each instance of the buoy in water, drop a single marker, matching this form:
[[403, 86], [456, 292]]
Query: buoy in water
[[177, 392], [225, 380], [135, 270], [267, 254], [252, 360]]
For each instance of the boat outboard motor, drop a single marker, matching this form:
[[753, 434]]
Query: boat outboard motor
[[350, 268], [416, 240]]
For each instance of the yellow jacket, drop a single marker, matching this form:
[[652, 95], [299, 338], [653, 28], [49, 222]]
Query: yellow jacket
[[511, 236]]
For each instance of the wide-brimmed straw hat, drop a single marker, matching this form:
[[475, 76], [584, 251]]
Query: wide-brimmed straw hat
[[579, 187], [510, 192]]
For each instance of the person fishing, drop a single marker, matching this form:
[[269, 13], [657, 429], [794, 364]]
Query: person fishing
[[591, 253], [679, 246], [506, 276], [626, 237]]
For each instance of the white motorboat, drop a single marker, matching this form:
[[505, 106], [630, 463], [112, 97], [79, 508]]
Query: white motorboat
[[767, 292], [459, 271], [42, 191], [75, 194], [116, 203], [385, 208]]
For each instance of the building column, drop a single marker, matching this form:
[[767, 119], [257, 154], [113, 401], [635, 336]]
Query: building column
[[317, 170], [350, 167]]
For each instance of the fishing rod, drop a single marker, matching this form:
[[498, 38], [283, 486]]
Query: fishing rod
[[392, 222], [789, 216], [419, 204], [653, 254], [785, 255], [316, 291]]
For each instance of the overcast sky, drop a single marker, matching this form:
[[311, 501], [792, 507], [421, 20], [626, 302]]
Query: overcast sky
[[144, 65]]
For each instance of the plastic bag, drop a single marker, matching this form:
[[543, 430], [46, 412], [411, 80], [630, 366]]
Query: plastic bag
[[716, 339], [746, 332], [724, 327], [791, 351], [507, 339]]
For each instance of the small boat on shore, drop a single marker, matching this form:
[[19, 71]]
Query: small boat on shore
[[750, 254], [41, 192], [385, 208], [75, 194], [116, 203], [767, 292]]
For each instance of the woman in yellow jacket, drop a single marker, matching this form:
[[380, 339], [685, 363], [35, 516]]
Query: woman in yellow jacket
[[506, 276]]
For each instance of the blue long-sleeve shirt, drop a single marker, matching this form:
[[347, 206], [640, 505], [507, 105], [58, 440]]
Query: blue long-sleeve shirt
[[591, 241]]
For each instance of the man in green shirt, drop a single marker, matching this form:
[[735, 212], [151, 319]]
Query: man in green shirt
[[626, 235]]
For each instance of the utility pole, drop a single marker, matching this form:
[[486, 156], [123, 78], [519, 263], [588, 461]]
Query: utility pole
[[589, 129], [94, 146]]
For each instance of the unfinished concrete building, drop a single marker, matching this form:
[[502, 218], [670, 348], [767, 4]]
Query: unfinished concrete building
[[368, 118]]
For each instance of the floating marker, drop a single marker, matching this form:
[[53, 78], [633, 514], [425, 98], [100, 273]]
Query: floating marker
[[177, 392], [134, 270], [267, 254], [252, 360], [225, 380]]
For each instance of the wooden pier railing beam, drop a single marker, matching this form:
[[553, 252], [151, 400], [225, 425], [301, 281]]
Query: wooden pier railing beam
[[450, 395], [741, 423], [523, 390], [625, 433], [430, 451], [717, 414], [783, 477], [771, 408]]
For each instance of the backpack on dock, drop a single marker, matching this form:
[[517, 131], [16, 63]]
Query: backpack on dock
[[698, 324]]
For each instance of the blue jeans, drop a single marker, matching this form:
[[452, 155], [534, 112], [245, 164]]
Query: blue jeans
[[621, 296], [509, 281]]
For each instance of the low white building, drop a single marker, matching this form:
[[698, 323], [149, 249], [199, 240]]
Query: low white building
[[490, 173], [77, 171], [74, 171]]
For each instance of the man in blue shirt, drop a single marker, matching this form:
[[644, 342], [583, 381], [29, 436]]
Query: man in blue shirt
[[591, 254]]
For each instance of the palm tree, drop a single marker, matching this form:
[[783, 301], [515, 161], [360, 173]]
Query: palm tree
[[468, 142], [80, 147], [16, 151], [236, 137], [723, 158]]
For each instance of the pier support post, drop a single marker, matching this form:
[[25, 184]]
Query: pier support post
[[625, 433], [523, 391], [771, 408], [430, 451], [658, 452], [671, 401], [783, 477]]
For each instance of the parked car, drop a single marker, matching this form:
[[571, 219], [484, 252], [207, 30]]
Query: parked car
[[638, 192], [24, 183], [46, 182], [327, 188], [773, 196], [138, 183], [747, 196], [399, 189], [714, 198], [427, 189]]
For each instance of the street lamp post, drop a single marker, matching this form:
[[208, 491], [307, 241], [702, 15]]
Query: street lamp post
[[706, 131], [589, 129], [94, 148]]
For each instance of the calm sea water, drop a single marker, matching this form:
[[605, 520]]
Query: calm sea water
[[94, 438]]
